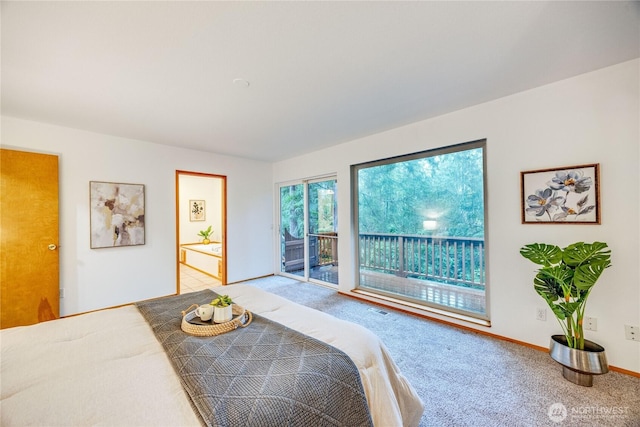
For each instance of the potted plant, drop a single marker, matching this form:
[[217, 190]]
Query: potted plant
[[222, 309], [206, 234], [565, 281]]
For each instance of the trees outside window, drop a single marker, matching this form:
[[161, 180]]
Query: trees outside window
[[420, 221]]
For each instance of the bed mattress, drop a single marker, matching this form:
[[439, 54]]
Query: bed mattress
[[107, 368]]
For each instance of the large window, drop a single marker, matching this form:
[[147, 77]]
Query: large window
[[421, 228]]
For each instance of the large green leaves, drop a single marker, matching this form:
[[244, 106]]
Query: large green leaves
[[581, 253], [566, 278], [589, 261], [587, 275], [542, 254], [554, 281]]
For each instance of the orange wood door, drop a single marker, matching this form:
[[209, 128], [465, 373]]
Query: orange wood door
[[29, 289]]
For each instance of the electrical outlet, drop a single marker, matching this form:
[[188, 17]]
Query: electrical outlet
[[541, 314], [61, 292], [632, 332], [590, 323]]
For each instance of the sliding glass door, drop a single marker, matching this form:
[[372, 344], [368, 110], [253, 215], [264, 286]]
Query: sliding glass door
[[309, 230], [292, 229], [322, 214]]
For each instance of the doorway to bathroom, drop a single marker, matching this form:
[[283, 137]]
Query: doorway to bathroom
[[201, 228]]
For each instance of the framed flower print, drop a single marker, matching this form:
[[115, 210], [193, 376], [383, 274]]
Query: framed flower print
[[566, 195]]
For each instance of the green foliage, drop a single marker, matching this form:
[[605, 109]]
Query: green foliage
[[205, 233], [322, 205], [222, 301], [292, 209], [542, 254], [398, 197], [565, 281]]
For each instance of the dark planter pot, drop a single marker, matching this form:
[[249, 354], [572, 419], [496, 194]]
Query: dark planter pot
[[579, 366]]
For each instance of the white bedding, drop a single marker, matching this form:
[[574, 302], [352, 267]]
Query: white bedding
[[107, 368]]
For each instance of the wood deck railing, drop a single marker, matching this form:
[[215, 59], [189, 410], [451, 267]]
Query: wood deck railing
[[327, 248], [451, 260], [323, 250]]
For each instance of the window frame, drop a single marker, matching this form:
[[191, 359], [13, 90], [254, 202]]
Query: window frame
[[482, 318]]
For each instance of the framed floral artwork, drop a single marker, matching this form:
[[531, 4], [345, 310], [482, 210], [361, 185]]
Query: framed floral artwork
[[196, 210], [567, 195]]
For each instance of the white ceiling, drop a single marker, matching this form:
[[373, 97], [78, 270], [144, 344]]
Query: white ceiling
[[320, 73]]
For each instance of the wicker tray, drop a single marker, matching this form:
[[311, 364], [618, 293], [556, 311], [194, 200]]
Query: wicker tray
[[241, 318]]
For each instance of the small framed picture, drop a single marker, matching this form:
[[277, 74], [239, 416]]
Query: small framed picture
[[196, 210], [567, 195]]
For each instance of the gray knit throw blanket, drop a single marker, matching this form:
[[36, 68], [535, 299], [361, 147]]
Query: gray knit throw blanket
[[263, 375]]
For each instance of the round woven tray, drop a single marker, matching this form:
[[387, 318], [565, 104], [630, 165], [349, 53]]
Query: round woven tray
[[241, 318]]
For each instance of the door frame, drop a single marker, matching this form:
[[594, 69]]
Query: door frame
[[223, 220]]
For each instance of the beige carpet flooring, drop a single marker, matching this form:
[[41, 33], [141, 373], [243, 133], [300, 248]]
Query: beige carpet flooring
[[468, 379]]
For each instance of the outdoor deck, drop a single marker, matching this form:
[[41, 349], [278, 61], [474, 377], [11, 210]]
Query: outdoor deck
[[452, 296], [324, 273], [457, 297], [440, 271]]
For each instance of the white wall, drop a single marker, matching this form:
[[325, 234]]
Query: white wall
[[98, 278], [592, 118]]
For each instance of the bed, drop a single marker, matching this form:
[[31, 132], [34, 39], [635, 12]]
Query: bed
[[108, 367]]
